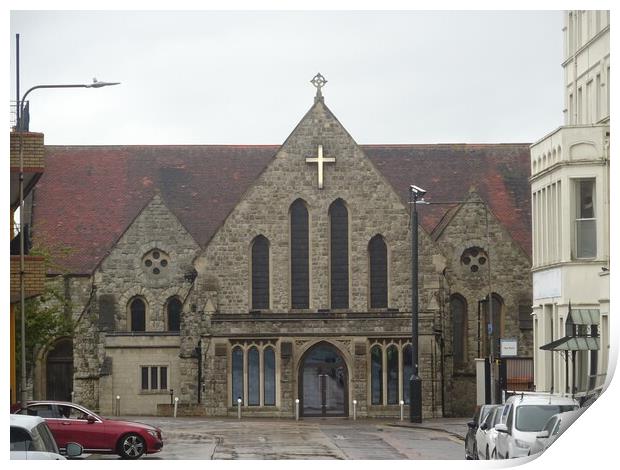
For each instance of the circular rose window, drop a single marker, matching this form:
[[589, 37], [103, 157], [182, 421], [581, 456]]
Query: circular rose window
[[474, 258], [155, 261]]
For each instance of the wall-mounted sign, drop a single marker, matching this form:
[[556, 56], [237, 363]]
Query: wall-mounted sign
[[508, 347]]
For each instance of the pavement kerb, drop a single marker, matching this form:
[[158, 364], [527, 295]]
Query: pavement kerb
[[430, 428]]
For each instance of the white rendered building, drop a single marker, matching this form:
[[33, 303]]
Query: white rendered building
[[570, 219]]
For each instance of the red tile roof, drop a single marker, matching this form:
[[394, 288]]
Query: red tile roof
[[89, 195]]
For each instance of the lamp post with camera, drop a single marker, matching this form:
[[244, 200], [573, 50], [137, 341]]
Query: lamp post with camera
[[415, 382]]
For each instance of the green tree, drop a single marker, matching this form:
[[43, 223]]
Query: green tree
[[48, 317]]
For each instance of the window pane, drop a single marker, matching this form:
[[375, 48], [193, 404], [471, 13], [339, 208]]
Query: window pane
[[174, 314], [270, 376], [299, 256], [153, 378], [138, 310], [392, 375], [585, 221], [237, 375], [378, 272], [407, 371], [376, 375], [163, 375], [145, 378], [253, 377], [586, 200], [339, 254], [586, 238], [260, 273], [457, 307]]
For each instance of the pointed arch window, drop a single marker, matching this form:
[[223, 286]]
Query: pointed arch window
[[376, 375], [339, 254], [407, 371], [137, 310], [237, 375], [253, 377], [269, 359], [458, 309], [300, 272], [377, 254], [173, 311], [260, 273], [392, 375]]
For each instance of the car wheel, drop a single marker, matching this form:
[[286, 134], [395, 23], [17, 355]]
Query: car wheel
[[131, 446]]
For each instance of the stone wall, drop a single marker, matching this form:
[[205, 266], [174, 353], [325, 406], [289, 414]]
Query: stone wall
[[509, 279], [122, 275], [373, 207]]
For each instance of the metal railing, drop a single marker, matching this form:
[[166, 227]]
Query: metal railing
[[13, 115]]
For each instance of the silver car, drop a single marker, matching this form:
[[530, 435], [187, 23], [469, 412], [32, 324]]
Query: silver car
[[553, 429], [486, 436], [525, 417]]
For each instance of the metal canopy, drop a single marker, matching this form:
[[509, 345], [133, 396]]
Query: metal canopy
[[584, 317], [573, 343]]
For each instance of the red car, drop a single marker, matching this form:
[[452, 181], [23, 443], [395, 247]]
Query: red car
[[74, 423]]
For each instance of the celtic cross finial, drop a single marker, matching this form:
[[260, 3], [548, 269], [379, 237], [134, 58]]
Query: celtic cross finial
[[319, 82]]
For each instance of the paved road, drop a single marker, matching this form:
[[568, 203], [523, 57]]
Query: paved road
[[195, 438]]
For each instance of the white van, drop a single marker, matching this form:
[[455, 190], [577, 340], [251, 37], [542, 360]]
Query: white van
[[526, 415]]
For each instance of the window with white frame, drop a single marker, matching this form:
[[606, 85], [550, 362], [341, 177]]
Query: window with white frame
[[585, 219]]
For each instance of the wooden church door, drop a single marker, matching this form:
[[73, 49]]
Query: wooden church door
[[59, 371]]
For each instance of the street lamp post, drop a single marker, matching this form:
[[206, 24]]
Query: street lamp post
[[418, 193], [23, 125], [415, 383]]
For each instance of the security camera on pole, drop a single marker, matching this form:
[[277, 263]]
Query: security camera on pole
[[415, 383]]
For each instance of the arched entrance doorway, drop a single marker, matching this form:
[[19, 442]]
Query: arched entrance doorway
[[59, 371], [323, 382]]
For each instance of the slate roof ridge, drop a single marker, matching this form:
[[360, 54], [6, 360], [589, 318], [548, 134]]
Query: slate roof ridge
[[500, 169], [449, 144], [118, 146]]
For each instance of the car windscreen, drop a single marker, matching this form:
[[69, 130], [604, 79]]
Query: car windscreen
[[532, 418], [20, 439]]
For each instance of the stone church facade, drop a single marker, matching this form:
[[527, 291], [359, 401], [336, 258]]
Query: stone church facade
[[295, 287]]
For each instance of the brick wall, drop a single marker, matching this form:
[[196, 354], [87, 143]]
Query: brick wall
[[33, 149], [34, 268]]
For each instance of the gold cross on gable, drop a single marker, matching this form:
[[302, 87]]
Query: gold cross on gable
[[320, 160]]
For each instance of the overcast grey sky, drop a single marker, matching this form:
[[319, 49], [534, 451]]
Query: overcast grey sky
[[209, 77]]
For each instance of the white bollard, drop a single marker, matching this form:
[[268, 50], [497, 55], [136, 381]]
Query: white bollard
[[238, 408], [402, 410], [118, 405], [354, 410], [296, 409], [176, 404], [73, 397]]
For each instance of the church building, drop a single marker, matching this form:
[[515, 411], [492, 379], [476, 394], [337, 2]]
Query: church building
[[275, 273]]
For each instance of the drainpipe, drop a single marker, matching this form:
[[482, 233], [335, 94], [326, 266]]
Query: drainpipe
[[575, 43]]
